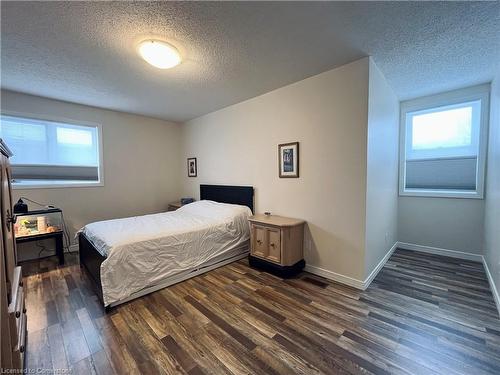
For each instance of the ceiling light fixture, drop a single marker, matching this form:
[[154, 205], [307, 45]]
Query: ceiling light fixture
[[159, 54]]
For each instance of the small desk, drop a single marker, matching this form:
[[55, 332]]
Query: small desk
[[57, 236], [174, 206]]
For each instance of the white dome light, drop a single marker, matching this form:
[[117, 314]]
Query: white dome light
[[159, 54]]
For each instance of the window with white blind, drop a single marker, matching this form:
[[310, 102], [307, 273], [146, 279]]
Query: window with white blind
[[443, 144], [52, 153]]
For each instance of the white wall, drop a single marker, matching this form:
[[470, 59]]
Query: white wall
[[382, 170], [446, 223], [346, 121], [327, 114], [492, 208], [141, 159], [455, 224]]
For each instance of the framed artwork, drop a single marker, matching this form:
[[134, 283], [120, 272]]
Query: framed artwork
[[288, 157], [192, 169]]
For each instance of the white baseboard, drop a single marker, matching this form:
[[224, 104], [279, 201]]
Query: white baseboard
[[459, 255], [355, 283], [358, 284], [379, 266], [493, 287], [440, 251]]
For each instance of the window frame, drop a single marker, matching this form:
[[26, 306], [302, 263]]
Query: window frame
[[456, 97], [68, 121]]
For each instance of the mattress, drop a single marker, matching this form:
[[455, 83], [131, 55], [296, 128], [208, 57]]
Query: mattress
[[143, 251]]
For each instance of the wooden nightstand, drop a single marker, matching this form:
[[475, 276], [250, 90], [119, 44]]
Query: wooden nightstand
[[174, 206], [276, 244]]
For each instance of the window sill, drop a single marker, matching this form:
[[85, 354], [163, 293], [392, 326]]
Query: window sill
[[441, 194], [31, 184]]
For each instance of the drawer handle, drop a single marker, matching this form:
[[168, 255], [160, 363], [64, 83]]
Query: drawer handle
[[24, 310], [259, 242], [272, 244], [21, 349], [18, 314]]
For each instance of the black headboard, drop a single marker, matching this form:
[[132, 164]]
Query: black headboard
[[228, 194]]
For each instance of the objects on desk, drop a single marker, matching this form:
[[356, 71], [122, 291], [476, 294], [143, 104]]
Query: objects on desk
[[175, 205], [186, 201], [20, 207], [41, 224], [38, 222]]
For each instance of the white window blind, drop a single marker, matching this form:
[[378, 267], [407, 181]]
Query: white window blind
[[50, 152], [449, 131], [442, 153]]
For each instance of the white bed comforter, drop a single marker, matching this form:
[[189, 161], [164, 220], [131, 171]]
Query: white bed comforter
[[144, 250]]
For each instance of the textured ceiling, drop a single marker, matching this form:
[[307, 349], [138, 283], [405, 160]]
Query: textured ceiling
[[85, 52]]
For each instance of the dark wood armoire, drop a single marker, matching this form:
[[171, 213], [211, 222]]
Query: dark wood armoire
[[13, 312]]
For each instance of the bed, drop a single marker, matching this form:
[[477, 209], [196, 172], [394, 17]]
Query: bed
[[128, 258]]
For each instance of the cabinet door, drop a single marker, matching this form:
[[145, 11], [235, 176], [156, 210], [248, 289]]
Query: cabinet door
[[274, 247], [7, 225], [259, 243], [5, 334]]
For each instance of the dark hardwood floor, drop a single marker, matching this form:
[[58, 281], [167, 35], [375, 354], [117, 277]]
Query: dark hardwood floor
[[423, 314]]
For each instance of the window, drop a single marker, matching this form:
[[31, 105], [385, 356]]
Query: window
[[443, 141], [52, 154]]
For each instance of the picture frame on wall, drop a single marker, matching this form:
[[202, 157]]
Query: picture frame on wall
[[192, 167], [288, 158]]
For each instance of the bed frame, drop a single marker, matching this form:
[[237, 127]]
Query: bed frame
[[91, 259], [228, 194]]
